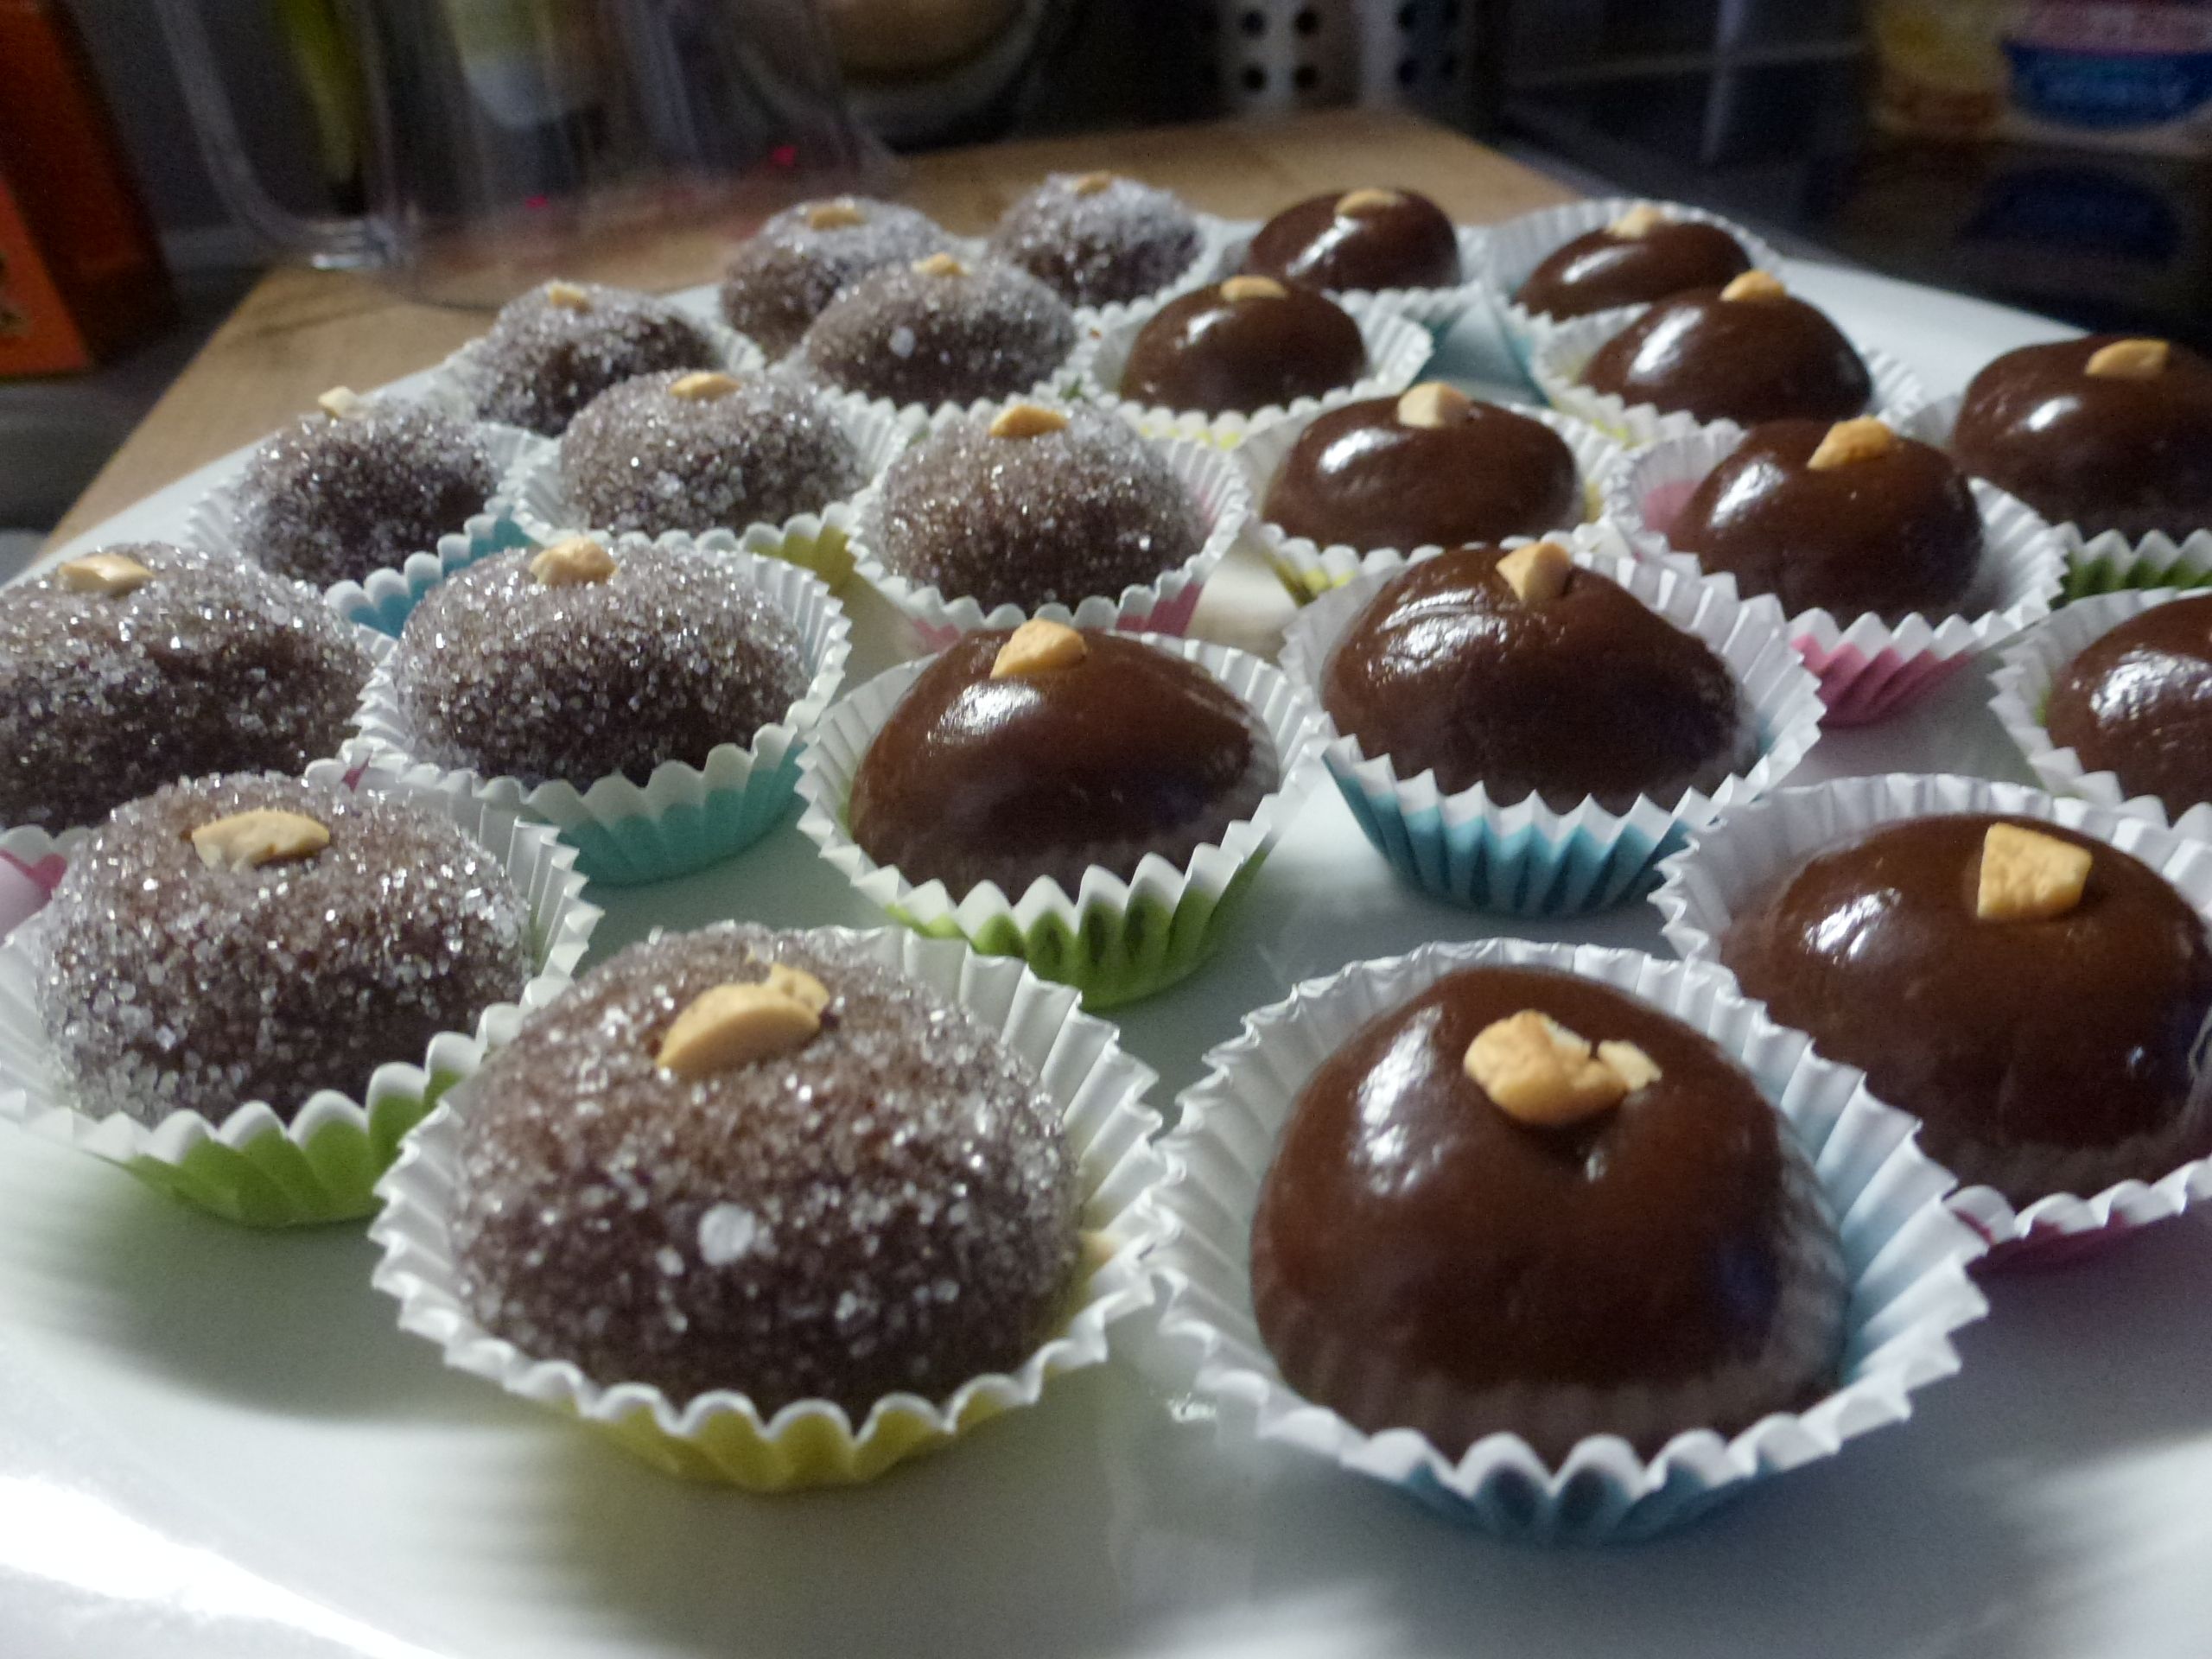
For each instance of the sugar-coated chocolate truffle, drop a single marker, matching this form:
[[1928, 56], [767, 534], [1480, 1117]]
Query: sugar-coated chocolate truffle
[[1474, 666], [2109, 433], [1947, 964], [144, 664], [1747, 352], [1247, 343], [572, 662], [1095, 238], [1642, 255], [940, 332], [1524, 1190], [1043, 752], [256, 937], [1850, 518], [873, 1197], [357, 486], [1037, 506], [2138, 701], [552, 350], [1430, 467], [779, 278], [1366, 239], [691, 449]]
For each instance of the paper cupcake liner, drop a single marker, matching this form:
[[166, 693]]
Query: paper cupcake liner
[[1164, 604], [1526, 860], [1869, 670], [253, 1168], [683, 817], [1514, 249], [1437, 309], [32, 863], [1397, 349], [1734, 860], [722, 1436], [1113, 940], [1309, 570], [1904, 1258], [2107, 562]]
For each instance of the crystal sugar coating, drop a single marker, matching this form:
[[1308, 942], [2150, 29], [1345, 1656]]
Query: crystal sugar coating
[[1091, 509], [1098, 246], [541, 362], [641, 457], [920, 337], [891, 1206], [167, 986], [664, 660], [328, 500], [779, 278], [212, 665]]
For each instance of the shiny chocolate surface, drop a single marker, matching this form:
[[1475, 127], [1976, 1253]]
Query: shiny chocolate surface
[[1744, 360], [2138, 701], [1208, 352], [1409, 244], [1599, 270]]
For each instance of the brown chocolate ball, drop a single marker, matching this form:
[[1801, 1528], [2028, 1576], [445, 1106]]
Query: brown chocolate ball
[[2138, 701], [552, 350], [940, 332], [1632, 263], [1097, 239], [1235, 347], [779, 278], [1365, 240], [1765, 357]]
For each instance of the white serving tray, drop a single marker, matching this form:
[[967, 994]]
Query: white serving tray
[[216, 1444]]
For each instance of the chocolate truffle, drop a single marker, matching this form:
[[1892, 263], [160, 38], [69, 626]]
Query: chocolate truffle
[[1849, 518], [2107, 433], [1437, 1247], [359, 487], [1920, 954], [779, 278], [880, 1200], [256, 937], [2138, 701], [1747, 352], [1035, 505], [691, 449], [1428, 469], [1365, 240], [1249, 343], [1097, 239], [568, 663], [940, 332], [145, 663], [1472, 665], [1010, 762], [1642, 256], [552, 350]]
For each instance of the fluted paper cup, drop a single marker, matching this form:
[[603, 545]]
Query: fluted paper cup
[[1436, 309], [32, 863]]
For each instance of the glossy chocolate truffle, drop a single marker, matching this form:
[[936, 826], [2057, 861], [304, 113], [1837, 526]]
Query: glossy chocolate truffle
[[1127, 752], [1235, 347], [1881, 524], [1632, 262], [1585, 694], [2124, 452], [209, 665], [2138, 701], [1088, 509], [941, 332], [1419, 1254], [1365, 477], [890, 1206], [1095, 238], [552, 350], [506, 673], [1760, 357], [779, 278], [688, 450], [330, 499], [1365, 240], [170, 984], [2071, 1032]]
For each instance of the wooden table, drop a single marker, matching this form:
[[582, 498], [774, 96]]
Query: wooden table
[[299, 331]]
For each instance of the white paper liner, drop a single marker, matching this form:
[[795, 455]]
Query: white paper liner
[[1308, 569], [1904, 1256], [32, 863], [1434, 309], [1162, 606], [1099, 1090], [542, 869], [1736, 860], [452, 385], [1397, 349]]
